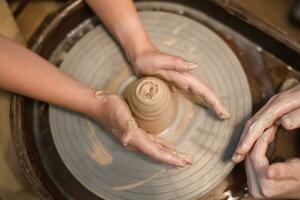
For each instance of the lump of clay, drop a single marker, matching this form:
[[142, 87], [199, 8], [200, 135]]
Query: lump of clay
[[152, 104]]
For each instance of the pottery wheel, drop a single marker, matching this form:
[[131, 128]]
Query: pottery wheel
[[110, 171]]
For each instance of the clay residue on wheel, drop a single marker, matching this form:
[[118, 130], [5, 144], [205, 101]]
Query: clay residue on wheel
[[139, 183], [98, 151]]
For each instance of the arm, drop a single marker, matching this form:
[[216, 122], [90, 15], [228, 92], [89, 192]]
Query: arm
[[121, 18], [23, 72]]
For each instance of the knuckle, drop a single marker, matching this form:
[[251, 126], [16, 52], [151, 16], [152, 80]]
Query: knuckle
[[282, 97], [248, 122], [287, 123]]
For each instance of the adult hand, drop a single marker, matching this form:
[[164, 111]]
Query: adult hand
[[279, 180], [283, 107], [114, 114], [177, 71]]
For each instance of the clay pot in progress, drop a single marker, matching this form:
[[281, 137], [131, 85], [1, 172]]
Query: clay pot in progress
[[152, 104]]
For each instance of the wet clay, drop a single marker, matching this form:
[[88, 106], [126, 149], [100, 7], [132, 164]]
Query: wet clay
[[152, 103], [131, 175]]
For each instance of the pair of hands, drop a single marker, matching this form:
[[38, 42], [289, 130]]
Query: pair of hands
[[279, 180], [116, 116]]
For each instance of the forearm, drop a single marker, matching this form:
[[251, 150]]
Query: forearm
[[25, 73], [121, 18]]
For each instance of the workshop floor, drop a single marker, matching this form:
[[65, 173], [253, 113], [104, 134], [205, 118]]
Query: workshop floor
[[12, 182]]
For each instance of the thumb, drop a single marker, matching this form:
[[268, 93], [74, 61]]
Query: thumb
[[126, 136], [291, 120], [175, 63], [285, 170]]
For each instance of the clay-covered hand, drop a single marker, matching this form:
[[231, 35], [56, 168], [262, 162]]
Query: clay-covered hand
[[283, 107], [113, 113], [278, 180], [177, 71]]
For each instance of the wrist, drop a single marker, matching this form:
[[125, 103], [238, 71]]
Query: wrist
[[134, 49], [95, 104]]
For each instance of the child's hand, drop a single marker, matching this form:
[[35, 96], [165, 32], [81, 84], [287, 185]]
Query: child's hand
[[176, 70], [113, 113]]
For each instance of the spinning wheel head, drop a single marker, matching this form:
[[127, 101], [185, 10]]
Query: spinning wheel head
[[108, 170]]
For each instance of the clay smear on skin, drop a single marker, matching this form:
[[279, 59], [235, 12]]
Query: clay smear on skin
[[98, 151], [185, 119], [125, 73], [179, 128]]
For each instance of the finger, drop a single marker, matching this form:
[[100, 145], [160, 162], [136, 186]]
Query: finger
[[125, 138], [240, 152], [168, 62], [291, 120], [252, 182], [167, 156], [130, 129], [166, 146], [160, 141], [203, 93], [156, 151], [173, 77], [258, 153], [265, 119], [238, 157], [173, 157], [257, 161], [186, 157], [285, 170], [200, 92]]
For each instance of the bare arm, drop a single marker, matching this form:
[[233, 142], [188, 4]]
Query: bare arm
[[121, 18], [24, 72]]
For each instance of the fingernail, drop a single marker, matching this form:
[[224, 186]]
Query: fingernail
[[189, 159], [224, 115], [99, 94], [191, 65], [271, 173], [182, 164], [236, 157], [238, 150]]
